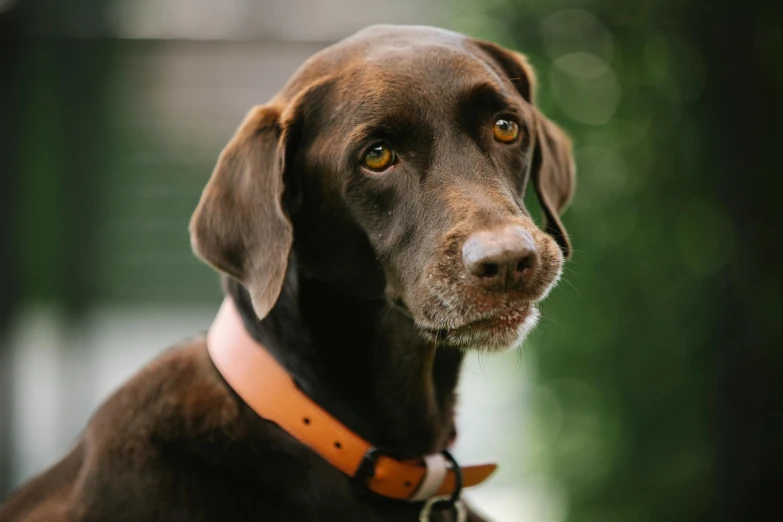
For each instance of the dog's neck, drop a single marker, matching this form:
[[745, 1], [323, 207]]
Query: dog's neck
[[362, 361]]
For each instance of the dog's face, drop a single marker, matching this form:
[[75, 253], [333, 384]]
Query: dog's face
[[396, 162]]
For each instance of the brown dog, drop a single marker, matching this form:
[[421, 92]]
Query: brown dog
[[371, 225]]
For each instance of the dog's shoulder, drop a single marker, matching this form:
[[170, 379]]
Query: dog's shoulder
[[178, 394], [130, 452], [175, 440]]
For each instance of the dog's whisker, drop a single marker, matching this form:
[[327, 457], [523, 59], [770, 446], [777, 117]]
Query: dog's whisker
[[570, 284]]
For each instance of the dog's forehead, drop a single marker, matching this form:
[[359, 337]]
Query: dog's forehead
[[424, 71], [396, 58]]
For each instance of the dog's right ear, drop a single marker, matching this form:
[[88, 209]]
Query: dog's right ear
[[553, 169], [240, 226]]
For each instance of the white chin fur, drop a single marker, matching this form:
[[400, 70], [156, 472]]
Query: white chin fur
[[523, 330], [500, 341]]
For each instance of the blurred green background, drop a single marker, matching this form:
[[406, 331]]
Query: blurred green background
[[652, 387]]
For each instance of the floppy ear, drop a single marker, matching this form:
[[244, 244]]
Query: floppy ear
[[553, 170], [239, 226]]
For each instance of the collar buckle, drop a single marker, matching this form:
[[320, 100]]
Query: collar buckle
[[366, 469]]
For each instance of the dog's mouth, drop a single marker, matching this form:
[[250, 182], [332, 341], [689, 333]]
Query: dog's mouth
[[493, 331], [502, 320]]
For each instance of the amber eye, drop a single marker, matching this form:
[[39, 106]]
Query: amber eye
[[505, 131], [379, 157]]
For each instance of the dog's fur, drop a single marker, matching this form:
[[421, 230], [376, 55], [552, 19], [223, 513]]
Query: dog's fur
[[352, 279]]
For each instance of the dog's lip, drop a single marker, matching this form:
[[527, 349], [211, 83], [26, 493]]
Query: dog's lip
[[504, 318]]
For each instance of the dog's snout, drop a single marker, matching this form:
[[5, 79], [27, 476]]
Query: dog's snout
[[500, 259]]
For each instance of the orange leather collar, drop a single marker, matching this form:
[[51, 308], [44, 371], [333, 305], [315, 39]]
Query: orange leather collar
[[271, 392]]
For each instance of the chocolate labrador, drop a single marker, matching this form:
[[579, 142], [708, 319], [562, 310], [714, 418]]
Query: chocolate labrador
[[370, 227]]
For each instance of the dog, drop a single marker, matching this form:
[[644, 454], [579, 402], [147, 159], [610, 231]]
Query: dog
[[369, 225]]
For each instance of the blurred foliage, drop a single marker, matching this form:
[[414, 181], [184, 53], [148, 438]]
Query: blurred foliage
[[629, 382]]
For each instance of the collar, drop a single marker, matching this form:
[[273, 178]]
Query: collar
[[270, 391]]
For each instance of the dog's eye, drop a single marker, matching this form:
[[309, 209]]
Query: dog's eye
[[505, 131], [379, 157]]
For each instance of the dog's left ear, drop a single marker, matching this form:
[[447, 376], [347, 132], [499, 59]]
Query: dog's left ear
[[240, 226], [553, 170]]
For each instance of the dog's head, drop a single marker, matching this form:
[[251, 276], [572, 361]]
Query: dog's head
[[396, 162]]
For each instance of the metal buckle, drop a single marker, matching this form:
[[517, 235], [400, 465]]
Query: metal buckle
[[447, 501], [366, 469]]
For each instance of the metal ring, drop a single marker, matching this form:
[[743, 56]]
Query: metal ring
[[457, 476], [458, 507]]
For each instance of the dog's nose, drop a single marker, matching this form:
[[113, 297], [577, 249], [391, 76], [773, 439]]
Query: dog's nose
[[500, 259]]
